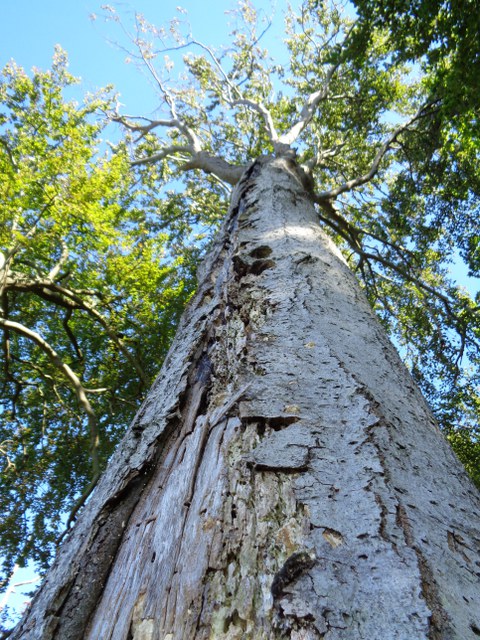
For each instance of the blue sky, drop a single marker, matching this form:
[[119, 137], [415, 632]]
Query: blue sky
[[29, 31]]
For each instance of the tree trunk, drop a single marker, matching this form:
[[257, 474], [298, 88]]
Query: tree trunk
[[284, 477]]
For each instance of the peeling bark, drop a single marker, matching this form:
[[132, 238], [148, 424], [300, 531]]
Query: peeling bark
[[284, 478]]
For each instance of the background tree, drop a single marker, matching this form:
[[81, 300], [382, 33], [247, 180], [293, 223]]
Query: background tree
[[440, 36], [361, 127], [90, 293]]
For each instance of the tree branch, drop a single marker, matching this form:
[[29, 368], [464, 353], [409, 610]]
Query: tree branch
[[231, 87], [71, 377], [194, 146], [340, 225], [71, 335], [321, 156], [161, 155], [366, 177], [218, 166], [308, 110], [264, 112], [63, 258], [65, 297]]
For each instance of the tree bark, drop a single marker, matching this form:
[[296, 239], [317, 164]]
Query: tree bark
[[284, 477]]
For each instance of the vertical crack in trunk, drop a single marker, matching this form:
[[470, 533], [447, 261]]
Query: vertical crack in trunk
[[82, 597]]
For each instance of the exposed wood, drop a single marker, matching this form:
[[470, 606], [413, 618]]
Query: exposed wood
[[284, 478]]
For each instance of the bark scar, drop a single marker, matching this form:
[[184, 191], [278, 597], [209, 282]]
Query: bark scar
[[297, 564]]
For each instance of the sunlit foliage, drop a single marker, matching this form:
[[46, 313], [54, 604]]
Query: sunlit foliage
[[92, 282]]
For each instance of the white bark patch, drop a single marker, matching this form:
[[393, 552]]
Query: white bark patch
[[141, 628]]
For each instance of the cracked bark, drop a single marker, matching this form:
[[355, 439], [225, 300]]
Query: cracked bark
[[284, 478]]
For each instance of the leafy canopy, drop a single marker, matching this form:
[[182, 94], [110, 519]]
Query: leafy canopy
[[92, 283]]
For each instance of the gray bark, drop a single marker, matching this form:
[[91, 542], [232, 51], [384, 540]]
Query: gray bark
[[284, 478]]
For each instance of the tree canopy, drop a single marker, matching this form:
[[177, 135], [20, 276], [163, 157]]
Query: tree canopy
[[99, 252], [91, 291]]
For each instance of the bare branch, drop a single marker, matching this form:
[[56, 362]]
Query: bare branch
[[232, 87], [175, 123], [264, 112], [127, 122], [166, 94], [63, 258], [11, 588], [161, 155], [218, 166], [308, 110], [199, 159]]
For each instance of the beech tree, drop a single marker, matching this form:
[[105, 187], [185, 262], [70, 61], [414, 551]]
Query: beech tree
[[284, 477]]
